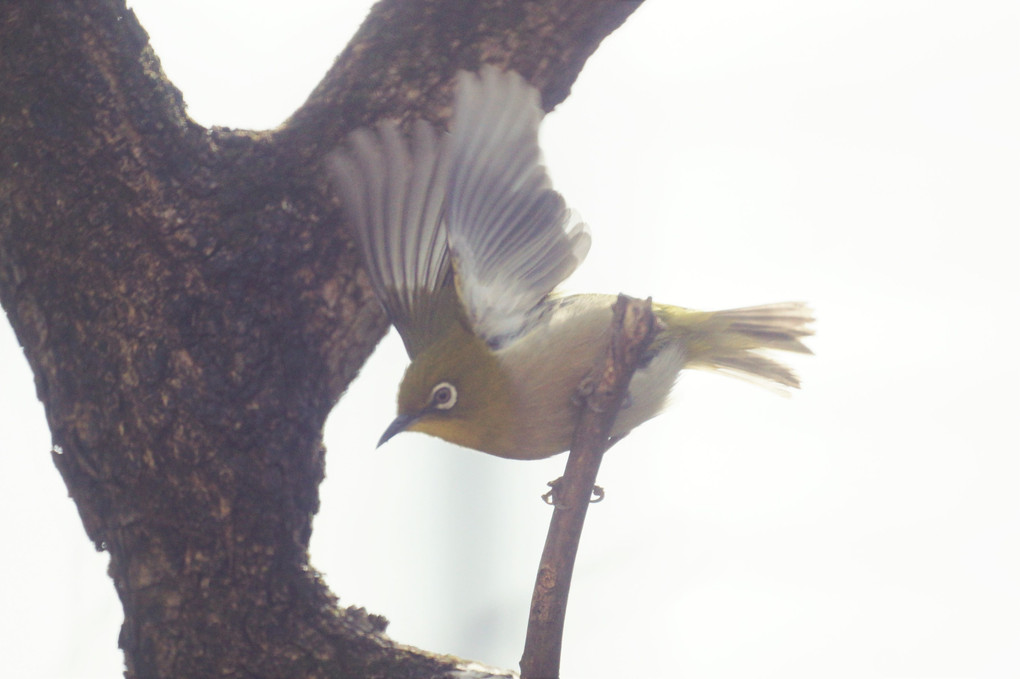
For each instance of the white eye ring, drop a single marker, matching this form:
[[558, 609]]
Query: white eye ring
[[443, 396]]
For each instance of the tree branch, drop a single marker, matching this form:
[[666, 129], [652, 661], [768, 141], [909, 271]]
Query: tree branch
[[634, 327], [192, 308]]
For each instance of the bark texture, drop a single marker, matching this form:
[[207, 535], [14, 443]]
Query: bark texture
[[192, 308]]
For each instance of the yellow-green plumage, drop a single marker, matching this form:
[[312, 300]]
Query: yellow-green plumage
[[535, 378], [464, 240], [464, 360], [732, 341]]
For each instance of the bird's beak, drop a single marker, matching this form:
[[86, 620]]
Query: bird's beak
[[396, 426]]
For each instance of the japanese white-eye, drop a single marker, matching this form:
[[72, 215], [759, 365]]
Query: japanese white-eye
[[464, 241]]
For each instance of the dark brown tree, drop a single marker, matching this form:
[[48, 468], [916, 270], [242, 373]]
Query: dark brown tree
[[192, 308]]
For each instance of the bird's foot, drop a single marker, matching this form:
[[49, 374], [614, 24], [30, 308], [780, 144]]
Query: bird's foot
[[598, 493], [585, 389]]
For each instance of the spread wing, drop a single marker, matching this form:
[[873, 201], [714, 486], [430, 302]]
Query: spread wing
[[479, 198], [511, 236], [393, 194]]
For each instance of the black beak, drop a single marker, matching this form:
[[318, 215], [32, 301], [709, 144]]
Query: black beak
[[396, 426]]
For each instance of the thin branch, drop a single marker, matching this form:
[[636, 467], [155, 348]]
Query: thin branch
[[634, 327]]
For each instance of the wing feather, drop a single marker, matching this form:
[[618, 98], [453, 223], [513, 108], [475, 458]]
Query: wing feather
[[394, 194], [478, 198], [511, 236]]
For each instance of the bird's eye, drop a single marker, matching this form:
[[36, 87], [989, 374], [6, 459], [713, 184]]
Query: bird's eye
[[443, 396]]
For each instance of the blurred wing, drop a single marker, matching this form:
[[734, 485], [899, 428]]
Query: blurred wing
[[393, 194], [511, 235]]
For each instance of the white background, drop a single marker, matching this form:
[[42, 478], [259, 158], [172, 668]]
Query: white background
[[861, 156]]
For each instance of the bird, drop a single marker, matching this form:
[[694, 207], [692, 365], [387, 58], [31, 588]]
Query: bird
[[465, 241]]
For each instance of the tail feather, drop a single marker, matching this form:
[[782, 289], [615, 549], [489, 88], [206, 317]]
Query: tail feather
[[753, 367], [732, 341]]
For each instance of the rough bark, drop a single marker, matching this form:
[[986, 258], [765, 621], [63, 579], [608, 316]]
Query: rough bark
[[192, 308]]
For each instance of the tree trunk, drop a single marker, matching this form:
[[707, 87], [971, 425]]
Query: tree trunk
[[192, 308]]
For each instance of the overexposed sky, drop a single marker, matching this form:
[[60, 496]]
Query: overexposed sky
[[864, 157]]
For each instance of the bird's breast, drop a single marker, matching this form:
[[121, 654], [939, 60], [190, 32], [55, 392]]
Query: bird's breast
[[547, 365]]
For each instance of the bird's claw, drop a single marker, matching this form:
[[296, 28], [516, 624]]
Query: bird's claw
[[586, 388], [549, 497], [598, 494]]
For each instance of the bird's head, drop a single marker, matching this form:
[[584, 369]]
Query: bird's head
[[456, 390]]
